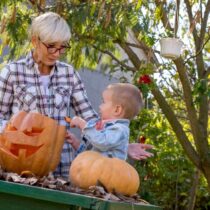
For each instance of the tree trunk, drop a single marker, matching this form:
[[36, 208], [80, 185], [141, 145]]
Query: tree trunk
[[207, 174], [193, 190]]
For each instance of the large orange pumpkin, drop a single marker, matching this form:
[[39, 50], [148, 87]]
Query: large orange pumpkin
[[116, 175], [31, 142]]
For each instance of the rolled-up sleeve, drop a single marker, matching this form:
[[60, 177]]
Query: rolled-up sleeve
[[6, 93], [80, 102]]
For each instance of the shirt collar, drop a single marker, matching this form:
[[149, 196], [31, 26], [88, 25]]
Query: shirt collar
[[29, 60], [112, 121], [30, 63]]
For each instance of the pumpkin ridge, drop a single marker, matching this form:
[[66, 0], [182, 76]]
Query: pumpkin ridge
[[115, 174]]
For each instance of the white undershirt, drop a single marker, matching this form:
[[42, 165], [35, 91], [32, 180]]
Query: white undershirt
[[45, 81]]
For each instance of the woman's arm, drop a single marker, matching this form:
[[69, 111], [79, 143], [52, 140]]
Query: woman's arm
[[6, 93]]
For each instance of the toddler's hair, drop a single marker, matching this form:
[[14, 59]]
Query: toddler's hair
[[128, 96]]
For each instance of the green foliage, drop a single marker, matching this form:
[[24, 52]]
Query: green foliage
[[200, 88], [167, 177]]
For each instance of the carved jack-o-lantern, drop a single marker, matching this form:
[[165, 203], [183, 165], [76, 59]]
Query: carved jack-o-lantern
[[31, 142]]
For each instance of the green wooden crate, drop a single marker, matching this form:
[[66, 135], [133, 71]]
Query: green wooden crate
[[15, 196]]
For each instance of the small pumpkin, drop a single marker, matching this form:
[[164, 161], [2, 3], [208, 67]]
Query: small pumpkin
[[31, 142], [116, 175]]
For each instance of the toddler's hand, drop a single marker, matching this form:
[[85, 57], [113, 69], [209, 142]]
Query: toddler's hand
[[78, 122]]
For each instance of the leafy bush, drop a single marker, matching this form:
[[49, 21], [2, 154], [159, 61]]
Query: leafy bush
[[166, 178]]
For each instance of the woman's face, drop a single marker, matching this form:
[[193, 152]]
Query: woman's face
[[48, 53]]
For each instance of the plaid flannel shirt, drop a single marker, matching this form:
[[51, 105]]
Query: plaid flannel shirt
[[22, 89]]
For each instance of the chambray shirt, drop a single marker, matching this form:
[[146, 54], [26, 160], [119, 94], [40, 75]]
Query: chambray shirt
[[21, 89], [112, 140]]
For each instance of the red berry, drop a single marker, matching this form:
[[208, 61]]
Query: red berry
[[145, 79], [142, 139]]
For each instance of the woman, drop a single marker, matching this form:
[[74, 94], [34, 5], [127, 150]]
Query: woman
[[42, 83]]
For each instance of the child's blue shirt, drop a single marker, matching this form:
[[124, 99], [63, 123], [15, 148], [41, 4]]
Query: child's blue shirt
[[111, 139]]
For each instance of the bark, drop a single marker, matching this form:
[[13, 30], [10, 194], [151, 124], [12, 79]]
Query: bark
[[193, 190], [206, 173], [177, 128], [199, 138]]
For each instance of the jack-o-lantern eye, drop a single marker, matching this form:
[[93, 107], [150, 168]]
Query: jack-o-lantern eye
[[33, 132], [11, 128]]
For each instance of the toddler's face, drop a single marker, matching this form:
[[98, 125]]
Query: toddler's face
[[107, 108]]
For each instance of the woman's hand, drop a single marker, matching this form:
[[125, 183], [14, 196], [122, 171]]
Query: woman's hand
[[73, 140], [138, 151]]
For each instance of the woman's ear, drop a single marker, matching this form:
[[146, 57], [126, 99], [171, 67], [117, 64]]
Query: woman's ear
[[34, 41]]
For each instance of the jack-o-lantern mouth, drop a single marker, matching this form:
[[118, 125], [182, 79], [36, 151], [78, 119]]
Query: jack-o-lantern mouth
[[15, 149], [29, 149]]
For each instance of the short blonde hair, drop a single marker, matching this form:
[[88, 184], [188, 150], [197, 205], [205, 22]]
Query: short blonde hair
[[50, 27], [128, 96]]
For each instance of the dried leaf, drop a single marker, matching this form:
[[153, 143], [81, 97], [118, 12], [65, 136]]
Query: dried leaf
[[3, 25], [110, 196], [47, 183], [31, 181], [42, 3], [108, 17], [149, 55], [32, 1], [97, 190], [51, 186], [101, 8], [15, 178], [13, 17], [62, 181], [59, 7], [196, 19], [192, 26]]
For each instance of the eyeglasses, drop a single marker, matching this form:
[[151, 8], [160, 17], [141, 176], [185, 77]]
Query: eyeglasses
[[51, 49]]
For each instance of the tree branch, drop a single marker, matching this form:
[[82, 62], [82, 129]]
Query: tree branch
[[208, 71], [37, 5], [132, 55], [115, 59], [193, 118], [164, 17], [191, 19], [177, 127], [149, 52], [204, 21], [145, 48], [177, 18], [199, 51]]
